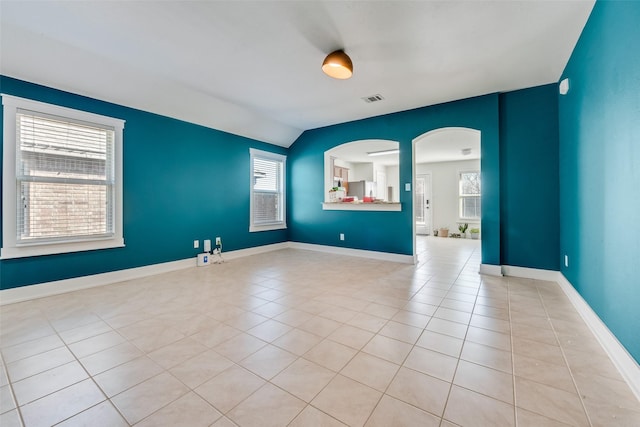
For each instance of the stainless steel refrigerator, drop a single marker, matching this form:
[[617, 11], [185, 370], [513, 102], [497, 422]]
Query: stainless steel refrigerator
[[362, 189]]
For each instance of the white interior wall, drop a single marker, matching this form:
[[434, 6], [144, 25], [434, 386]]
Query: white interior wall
[[362, 172], [444, 191]]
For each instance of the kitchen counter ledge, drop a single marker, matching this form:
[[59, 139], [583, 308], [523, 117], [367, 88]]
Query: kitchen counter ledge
[[361, 206]]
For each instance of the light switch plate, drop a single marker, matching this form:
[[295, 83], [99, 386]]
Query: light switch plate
[[407, 186]]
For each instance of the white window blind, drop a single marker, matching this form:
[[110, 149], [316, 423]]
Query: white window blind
[[65, 176], [62, 179], [469, 195], [267, 191]]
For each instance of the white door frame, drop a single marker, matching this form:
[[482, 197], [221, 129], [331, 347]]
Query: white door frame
[[414, 141], [428, 190]]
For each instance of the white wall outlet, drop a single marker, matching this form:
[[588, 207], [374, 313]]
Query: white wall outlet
[[218, 241], [407, 186], [341, 236], [566, 260], [196, 244]]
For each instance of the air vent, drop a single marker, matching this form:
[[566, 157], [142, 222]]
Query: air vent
[[372, 98]]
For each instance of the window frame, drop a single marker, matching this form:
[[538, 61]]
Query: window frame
[[461, 196], [10, 247], [267, 155]]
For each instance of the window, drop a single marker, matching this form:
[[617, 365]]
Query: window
[[469, 195], [267, 203], [62, 180]]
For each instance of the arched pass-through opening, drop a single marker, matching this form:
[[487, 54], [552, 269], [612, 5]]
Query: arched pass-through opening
[[442, 159]]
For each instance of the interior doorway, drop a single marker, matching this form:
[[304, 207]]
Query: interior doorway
[[440, 158], [422, 205]]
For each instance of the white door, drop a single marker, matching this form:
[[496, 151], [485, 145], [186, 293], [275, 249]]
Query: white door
[[422, 204]]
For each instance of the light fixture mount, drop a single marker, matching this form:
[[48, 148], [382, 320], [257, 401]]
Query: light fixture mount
[[338, 65]]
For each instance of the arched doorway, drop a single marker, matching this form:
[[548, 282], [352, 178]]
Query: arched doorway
[[446, 181]]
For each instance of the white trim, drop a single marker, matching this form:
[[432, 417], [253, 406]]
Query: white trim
[[383, 256], [271, 227], [255, 250], [10, 248], [41, 290], [490, 269], [383, 207], [278, 225], [530, 273], [626, 364], [460, 172], [619, 356]]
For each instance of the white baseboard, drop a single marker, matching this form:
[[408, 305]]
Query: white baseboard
[[382, 256], [530, 273], [620, 357], [255, 250], [626, 364], [490, 269], [41, 290]]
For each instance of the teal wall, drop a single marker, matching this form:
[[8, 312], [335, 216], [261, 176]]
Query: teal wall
[[529, 194], [182, 182], [390, 231], [600, 168]]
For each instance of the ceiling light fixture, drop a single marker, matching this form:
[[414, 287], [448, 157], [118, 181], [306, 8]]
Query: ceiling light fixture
[[465, 151], [384, 153], [338, 65]]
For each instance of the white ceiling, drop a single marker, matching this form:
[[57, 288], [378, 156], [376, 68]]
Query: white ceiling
[[446, 145], [357, 152], [252, 68]]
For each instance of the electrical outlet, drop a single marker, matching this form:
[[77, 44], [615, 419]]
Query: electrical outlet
[[341, 236], [218, 241], [196, 244]]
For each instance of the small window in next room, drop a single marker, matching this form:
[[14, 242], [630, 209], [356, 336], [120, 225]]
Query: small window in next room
[[62, 180], [469, 195], [267, 202]]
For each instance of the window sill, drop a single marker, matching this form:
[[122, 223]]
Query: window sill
[[59, 248], [360, 206], [257, 228]]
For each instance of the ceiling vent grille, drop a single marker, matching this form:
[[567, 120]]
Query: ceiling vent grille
[[372, 98]]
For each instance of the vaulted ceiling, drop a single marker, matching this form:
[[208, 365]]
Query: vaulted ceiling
[[252, 68]]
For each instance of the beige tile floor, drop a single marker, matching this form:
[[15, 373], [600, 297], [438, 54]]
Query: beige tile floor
[[301, 338]]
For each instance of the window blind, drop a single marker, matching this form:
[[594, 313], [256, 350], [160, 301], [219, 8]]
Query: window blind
[[267, 199], [65, 173]]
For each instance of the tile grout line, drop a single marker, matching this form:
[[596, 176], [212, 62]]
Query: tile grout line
[[11, 391], [564, 357], [464, 340], [513, 360]]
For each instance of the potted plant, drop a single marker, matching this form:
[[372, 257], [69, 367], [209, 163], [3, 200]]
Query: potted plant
[[475, 233], [463, 229], [435, 233], [443, 232]]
